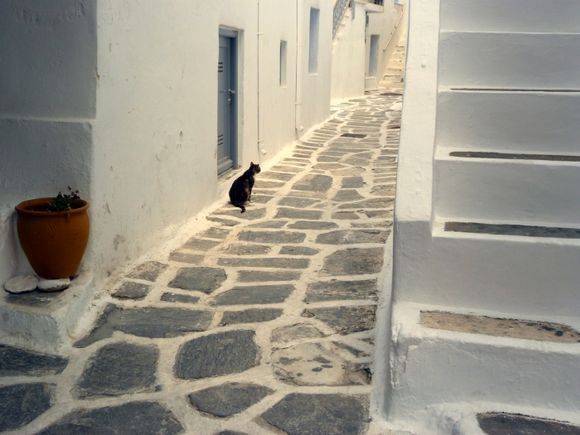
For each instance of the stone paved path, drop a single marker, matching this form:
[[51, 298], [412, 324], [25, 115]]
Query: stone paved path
[[261, 324]]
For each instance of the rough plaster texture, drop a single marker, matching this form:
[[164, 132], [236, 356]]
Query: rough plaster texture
[[48, 85], [54, 40]]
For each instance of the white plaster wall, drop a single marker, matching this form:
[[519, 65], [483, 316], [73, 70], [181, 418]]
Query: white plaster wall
[[413, 206], [48, 58], [503, 190], [348, 56], [547, 122], [479, 60], [277, 109], [47, 89], [155, 134], [314, 88], [560, 16], [144, 147]]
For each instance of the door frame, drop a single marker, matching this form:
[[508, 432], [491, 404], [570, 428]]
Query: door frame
[[233, 34]]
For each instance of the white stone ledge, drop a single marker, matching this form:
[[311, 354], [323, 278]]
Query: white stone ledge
[[499, 120], [507, 190], [470, 271], [46, 327], [509, 60], [435, 368]]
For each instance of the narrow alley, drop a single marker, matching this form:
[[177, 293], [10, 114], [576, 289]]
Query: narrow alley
[[263, 322]]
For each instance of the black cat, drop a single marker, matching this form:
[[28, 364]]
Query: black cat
[[241, 190]]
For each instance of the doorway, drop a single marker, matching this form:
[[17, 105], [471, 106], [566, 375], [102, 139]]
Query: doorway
[[227, 101]]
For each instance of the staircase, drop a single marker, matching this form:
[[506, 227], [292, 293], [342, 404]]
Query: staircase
[[393, 76], [486, 314]]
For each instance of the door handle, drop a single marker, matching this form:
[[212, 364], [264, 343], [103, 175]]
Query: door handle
[[231, 91]]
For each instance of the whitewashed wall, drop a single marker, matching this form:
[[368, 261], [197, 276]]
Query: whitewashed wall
[[137, 131], [314, 88], [348, 55], [413, 206], [45, 120], [351, 47], [155, 134], [277, 127]]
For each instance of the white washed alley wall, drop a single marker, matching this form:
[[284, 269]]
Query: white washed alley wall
[[137, 131], [348, 55], [47, 104], [314, 88]]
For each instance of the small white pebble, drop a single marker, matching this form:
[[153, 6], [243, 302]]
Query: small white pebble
[[21, 284], [53, 285]]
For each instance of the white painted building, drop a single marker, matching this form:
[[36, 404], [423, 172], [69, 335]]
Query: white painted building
[[487, 217], [365, 38], [144, 105]]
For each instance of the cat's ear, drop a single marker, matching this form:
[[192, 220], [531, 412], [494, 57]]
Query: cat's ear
[[251, 163]]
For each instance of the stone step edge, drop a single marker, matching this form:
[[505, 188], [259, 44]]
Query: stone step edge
[[492, 422], [471, 420], [445, 153], [439, 222], [497, 326], [505, 90], [514, 156], [407, 326], [510, 229], [49, 328], [462, 418]]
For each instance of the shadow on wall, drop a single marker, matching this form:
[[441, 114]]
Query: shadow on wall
[[48, 84]]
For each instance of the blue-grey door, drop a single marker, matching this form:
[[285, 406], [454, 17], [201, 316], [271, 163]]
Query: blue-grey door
[[227, 102]]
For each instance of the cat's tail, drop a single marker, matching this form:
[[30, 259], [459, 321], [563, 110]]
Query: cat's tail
[[240, 206]]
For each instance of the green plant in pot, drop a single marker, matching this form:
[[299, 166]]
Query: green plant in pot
[[53, 233]]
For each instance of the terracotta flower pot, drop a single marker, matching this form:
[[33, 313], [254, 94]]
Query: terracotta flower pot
[[54, 242]]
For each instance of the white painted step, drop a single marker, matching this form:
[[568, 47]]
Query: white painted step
[[438, 367], [510, 272], [488, 418], [558, 16], [47, 322], [489, 60], [534, 188], [542, 122]]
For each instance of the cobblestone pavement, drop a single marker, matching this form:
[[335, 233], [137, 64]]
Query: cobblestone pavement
[[262, 323]]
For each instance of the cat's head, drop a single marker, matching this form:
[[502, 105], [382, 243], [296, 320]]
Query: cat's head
[[255, 168]]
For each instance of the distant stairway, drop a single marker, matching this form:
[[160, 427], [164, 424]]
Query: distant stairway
[[488, 323], [394, 76]]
